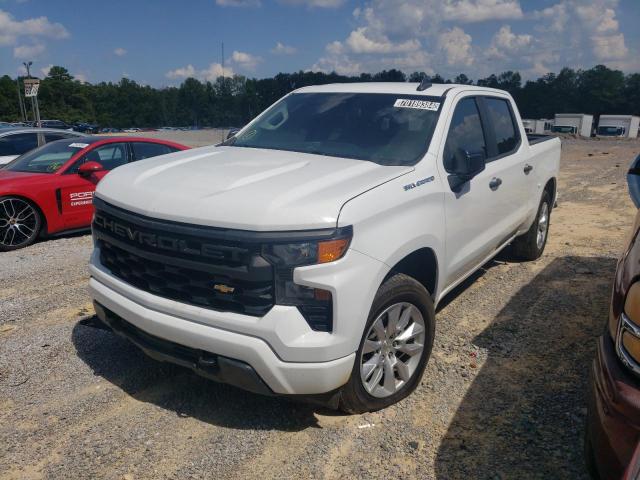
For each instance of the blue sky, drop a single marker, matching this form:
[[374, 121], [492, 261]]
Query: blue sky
[[161, 42]]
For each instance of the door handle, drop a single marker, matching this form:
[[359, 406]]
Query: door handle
[[495, 183], [527, 169]]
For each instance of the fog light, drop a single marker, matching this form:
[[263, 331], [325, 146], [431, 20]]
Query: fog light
[[631, 344]]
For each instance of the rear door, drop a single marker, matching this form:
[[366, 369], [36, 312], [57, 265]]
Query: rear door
[[507, 155], [75, 195]]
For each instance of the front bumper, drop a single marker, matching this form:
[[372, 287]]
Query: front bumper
[[613, 427], [292, 378]]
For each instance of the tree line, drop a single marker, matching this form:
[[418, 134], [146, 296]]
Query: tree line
[[234, 101]]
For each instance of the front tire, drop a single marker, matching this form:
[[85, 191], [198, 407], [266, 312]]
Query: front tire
[[394, 349], [20, 223], [530, 246]]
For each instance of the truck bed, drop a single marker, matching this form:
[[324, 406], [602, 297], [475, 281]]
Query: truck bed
[[538, 138]]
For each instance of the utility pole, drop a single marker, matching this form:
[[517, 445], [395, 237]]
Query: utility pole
[[20, 102], [222, 63], [34, 99]]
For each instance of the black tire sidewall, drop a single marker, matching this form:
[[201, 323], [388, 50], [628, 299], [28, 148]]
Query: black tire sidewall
[[545, 199], [37, 229], [397, 289]]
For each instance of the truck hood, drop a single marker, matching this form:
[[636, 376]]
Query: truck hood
[[244, 188]]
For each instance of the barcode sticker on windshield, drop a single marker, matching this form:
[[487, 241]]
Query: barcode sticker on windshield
[[419, 104], [78, 145]]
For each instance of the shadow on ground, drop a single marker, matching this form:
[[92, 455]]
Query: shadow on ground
[[179, 390], [523, 416]]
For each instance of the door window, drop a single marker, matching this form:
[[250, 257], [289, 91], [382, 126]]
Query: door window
[[142, 150], [465, 134], [109, 156], [506, 133], [18, 144]]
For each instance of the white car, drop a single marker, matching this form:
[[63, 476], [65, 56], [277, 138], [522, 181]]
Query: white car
[[307, 254], [14, 141]]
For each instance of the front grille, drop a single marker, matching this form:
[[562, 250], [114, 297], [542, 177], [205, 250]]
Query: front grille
[[193, 265]]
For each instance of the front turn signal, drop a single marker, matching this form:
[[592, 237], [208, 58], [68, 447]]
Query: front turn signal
[[332, 250]]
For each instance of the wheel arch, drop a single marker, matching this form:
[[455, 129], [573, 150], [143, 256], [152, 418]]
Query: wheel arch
[[551, 187], [421, 264]]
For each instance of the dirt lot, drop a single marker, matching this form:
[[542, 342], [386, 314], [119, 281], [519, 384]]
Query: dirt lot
[[503, 395]]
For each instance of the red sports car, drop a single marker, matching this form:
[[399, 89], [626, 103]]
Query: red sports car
[[50, 189]]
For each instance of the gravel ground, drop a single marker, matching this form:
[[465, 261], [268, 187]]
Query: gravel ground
[[503, 395]]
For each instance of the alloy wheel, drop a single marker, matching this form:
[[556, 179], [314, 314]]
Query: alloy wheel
[[18, 222], [543, 225], [392, 349]]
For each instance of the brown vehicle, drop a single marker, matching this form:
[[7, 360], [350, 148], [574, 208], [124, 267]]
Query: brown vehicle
[[613, 423]]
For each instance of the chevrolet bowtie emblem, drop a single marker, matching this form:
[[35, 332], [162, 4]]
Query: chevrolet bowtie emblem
[[223, 288]]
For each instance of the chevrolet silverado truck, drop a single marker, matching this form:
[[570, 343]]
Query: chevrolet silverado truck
[[306, 255]]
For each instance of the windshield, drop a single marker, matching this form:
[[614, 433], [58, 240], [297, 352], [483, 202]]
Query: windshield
[[610, 131], [564, 129], [381, 128], [46, 159]]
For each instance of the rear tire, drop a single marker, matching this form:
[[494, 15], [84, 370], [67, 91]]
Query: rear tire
[[20, 223], [530, 246], [394, 349]]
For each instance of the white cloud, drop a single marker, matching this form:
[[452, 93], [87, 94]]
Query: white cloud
[[238, 3], [359, 42], [506, 43], [609, 47], [45, 70], [282, 49], [81, 77], [456, 45], [315, 3], [335, 48], [11, 29], [183, 72], [245, 60], [120, 52], [28, 52], [481, 10], [211, 73]]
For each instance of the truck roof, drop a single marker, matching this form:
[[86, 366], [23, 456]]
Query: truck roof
[[400, 88]]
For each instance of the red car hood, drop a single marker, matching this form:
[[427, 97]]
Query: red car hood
[[9, 176]]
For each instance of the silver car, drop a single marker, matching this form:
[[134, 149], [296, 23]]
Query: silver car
[[14, 141]]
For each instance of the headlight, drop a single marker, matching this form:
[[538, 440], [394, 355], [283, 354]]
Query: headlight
[[627, 334], [316, 305]]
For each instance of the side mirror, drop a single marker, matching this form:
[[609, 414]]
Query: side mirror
[[633, 181], [89, 168], [232, 133], [466, 166]]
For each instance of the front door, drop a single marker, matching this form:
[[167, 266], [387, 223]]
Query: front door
[[76, 191]]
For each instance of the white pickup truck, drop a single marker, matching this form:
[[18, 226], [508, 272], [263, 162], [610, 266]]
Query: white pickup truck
[[306, 254]]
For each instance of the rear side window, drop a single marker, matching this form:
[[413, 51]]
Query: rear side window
[[18, 144], [507, 137], [465, 134], [142, 150]]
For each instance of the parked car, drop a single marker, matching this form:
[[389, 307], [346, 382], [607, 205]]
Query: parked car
[[49, 190], [59, 124], [85, 127], [613, 422], [307, 254], [16, 141]]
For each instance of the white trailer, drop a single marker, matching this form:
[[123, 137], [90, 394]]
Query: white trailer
[[618, 126], [534, 126], [577, 123]]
